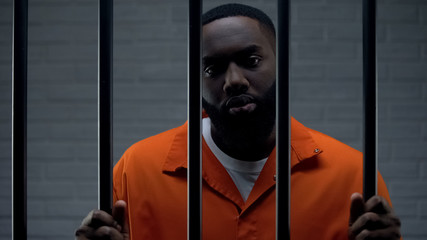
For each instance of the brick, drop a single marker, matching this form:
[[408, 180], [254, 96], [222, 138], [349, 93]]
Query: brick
[[397, 92], [424, 51], [86, 190], [423, 208], [307, 72], [408, 72], [326, 13], [308, 111], [405, 208], [155, 112], [414, 228], [306, 32], [6, 32], [410, 152], [149, 13], [347, 112], [400, 131], [397, 52], [151, 72], [35, 171], [153, 92], [64, 13], [326, 52], [66, 73], [5, 212], [345, 71], [88, 52], [6, 189], [63, 111], [397, 13], [51, 190], [51, 227], [384, 151], [407, 33], [61, 151], [70, 208], [73, 172], [5, 228], [141, 52], [5, 73], [72, 131], [348, 32], [347, 92], [342, 131], [59, 33], [414, 111], [150, 32], [409, 189], [6, 13], [423, 170], [423, 14], [400, 170], [5, 169], [72, 92], [36, 208]]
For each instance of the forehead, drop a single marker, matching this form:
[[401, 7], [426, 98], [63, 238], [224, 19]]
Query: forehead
[[230, 34]]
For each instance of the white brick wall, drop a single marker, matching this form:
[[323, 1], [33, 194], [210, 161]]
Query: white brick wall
[[150, 94]]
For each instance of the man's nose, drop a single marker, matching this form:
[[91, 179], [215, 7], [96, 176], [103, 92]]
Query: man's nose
[[235, 80]]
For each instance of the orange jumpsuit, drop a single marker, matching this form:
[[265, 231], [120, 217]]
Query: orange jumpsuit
[[151, 178]]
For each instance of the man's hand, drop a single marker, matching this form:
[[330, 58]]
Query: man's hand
[[100, 225], [373, 219]]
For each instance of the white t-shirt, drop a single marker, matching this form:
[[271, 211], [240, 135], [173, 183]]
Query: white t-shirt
[[243, 173]]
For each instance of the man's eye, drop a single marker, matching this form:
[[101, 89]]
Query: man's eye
[[252, 61], [209, 71]]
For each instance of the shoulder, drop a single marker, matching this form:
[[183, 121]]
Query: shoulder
[[152, 150], [337, 153]]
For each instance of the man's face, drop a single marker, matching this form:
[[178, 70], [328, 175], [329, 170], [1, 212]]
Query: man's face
[[239, 72]]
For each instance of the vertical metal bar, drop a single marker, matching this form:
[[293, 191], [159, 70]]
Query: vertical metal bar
[[194, 177], [105, 111], [19, 120], [283, 123], [370, 98]]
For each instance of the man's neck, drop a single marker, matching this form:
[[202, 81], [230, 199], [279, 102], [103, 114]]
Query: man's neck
[[247, 149]]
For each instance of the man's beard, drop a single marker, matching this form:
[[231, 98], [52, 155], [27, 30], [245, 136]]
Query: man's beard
[[251, 128]]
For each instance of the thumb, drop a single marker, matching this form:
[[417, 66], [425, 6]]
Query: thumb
[[120, 215], [357, 207]]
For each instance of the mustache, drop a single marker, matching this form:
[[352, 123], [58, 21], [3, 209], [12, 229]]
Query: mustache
[[240, 100]]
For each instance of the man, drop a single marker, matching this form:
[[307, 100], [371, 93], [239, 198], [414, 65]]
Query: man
[[239, 158]]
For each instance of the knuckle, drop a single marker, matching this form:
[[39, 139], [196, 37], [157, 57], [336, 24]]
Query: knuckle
[[370, 217], [365, 234], [96, 214], [81, 231], [397, 221]]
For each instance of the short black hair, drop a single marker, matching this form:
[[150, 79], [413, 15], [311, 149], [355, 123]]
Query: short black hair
[[237, 9]]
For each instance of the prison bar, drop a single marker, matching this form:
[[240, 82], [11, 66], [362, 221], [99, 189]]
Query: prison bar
[[105, 106], [282, 122], [370, 102], [194, 176], [19, 119]]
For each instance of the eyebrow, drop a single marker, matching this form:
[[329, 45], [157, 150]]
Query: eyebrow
[[245, 51]]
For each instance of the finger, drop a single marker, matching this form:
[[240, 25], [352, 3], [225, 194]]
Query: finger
[[372, 221], [120, 215], [357, 207], [380, 234], [378, 204], [83, 232], [106, 232], [98, 218]]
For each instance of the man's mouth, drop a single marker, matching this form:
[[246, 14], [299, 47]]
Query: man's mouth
[[240, 104]]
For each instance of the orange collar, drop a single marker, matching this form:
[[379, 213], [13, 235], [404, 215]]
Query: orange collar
[[302, 144]]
